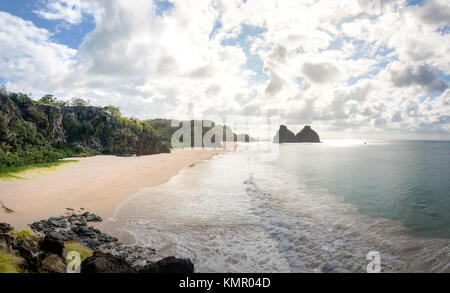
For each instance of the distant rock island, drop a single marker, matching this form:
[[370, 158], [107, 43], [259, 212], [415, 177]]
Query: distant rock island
[[307, 134], [245, 138]]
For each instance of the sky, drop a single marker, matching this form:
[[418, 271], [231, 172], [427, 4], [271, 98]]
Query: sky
[[350, 68]]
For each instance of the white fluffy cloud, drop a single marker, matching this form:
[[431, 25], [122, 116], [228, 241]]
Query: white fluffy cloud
[[343, 66]]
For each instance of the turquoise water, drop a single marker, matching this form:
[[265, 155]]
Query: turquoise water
[[315, 208], [406, 181]]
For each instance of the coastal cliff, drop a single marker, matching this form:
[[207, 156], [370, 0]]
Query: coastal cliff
[[307, 134], [34, 132]]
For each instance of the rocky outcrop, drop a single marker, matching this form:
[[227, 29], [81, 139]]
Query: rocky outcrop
[[108, 133], [5, 228], [47, 252], [54, 264], [307, 134], [105, 263], [53, 245], [94, 128], [170, 265], [73, 227], [284, 135]]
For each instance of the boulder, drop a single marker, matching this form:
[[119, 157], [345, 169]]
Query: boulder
[[54, 264], [85, 232], [53, 245], [5, 228], [149, 269], [58, 222], [105, 263], [172, 265], [91, 217], [284, 135], [307, 135], [6, 242], [29, 249]]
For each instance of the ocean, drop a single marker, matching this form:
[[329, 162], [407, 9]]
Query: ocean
[[315, 208]]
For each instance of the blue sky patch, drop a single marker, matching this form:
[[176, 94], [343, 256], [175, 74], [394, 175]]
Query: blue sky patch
[[300, 81], [245, 41], [415, 2], [216, 28], [444, 30], [162, 6], [62, 32]]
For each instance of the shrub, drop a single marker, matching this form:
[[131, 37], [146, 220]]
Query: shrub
[[8, 264], [80, 248], [23, 234]]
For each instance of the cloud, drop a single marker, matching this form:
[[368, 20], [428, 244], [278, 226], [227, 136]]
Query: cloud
[[358, 69], [320, 72], [30, 61], [424, 76], [435, 12], [70, 11], [275, 85]]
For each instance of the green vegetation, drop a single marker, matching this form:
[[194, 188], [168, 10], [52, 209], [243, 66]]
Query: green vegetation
[[13, 173], [8, 264], [166, 131], [48, 130], [52, 101], [80, 248], [23, 127], [22, 234]]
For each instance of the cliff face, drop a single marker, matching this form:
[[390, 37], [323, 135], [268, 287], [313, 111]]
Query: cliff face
[[284, 135], [109, 133], [24, 122]]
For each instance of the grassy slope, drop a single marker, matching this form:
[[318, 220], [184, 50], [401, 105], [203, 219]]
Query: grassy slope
[[14, 173]]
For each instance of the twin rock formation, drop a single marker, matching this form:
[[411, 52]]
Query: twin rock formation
[[284, 135]]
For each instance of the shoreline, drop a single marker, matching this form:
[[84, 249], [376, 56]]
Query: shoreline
[[96, 184]]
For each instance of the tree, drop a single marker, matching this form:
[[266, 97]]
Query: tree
[[78, 102], [113, 110], [3, 90], [48, 99], [51, 100]]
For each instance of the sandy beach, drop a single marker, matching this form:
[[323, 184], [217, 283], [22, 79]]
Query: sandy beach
[[96, 184]]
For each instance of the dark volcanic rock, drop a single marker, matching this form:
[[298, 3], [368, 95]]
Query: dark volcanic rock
[[54, 264], [284, 135], [6, 242], [75, 228], [169, 265], [47, 252], [29, 249], [172, 265], [149, 269], [5, 228], [307, 135], [91, 217], [105, 263], [53, 245]]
